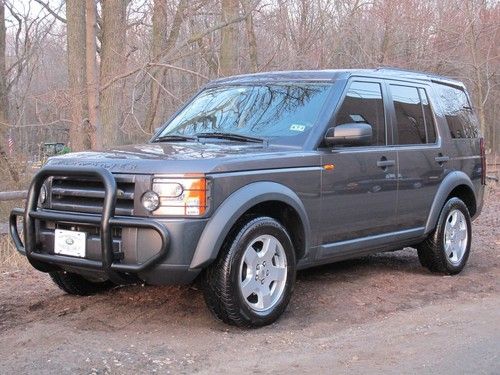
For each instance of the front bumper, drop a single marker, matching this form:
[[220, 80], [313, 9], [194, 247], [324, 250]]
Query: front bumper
[[110, 264]]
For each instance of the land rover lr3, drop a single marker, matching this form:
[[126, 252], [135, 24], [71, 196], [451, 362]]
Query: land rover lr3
[[259, 176]]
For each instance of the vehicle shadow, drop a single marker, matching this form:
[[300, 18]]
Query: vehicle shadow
[[349, 281], [351, 291], [402, 260]]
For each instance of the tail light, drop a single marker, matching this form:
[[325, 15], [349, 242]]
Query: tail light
[[483, 161]]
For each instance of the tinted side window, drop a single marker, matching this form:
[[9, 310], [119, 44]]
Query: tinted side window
[[363, 103], [458, 112], [409, 115], [430, 127]]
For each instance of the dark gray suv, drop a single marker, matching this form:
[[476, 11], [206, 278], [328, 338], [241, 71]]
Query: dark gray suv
[[259, 176]]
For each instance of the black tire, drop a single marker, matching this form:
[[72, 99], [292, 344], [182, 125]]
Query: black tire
[[221, 280], [431, 252], [73, 283]]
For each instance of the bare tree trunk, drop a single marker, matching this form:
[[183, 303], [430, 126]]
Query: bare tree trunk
[[229, 46], [208, 55], [95, 127], [4, 159], [252, 43], [113, 61], [75, 14], [472, 38], [3, 78], [160, 46], [384, 48]]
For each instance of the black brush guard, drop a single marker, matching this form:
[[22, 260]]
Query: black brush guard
[[105, 222]]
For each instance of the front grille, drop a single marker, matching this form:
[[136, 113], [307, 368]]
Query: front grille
[[87, 195]]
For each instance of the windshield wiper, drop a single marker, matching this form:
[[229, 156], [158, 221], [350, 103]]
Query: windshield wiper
[[230, 136], [174, 138]]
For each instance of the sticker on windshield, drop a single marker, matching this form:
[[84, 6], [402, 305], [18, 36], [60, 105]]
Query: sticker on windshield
[[297, 127]]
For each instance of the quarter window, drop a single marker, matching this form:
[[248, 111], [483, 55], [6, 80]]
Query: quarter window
[[458, 112], [413, 115], [363, 103]]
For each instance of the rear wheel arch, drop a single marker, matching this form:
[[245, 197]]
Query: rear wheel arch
[[456, 184], [466, 195], [446, 249], [257, 198]]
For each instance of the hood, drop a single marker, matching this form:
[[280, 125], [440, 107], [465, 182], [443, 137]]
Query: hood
[[188, 157]]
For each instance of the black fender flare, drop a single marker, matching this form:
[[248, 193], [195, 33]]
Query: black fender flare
[[450, 182], [228, 213]]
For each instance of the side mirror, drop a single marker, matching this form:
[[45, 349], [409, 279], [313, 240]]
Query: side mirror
[[352, 134]]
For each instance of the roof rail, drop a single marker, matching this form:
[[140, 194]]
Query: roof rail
[[391, 68], [431, 76]]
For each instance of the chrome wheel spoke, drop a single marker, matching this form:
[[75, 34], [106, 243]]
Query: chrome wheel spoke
[[248, 287], [458, 252], [462, 234], [277, 273], [269, 249], [251, 257], [454, 250], [448, 249], [264, 299]]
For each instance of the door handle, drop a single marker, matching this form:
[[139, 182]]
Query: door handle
[[384, 163], [442, 159]]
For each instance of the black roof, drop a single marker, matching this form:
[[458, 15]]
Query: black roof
[[335, 74]]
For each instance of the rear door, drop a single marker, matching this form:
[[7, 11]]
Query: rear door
[[359, 184], [422, 163]]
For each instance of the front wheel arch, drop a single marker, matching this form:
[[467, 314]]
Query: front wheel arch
[[234, 208]]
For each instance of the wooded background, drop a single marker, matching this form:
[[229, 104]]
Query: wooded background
[[101, 73]]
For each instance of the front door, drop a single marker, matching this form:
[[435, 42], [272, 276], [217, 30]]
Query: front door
[[359, 184]]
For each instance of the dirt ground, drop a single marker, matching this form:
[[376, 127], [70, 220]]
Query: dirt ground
[[379, 314]]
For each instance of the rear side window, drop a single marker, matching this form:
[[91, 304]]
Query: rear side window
[[363, 103], [458, 111], [415, 124]]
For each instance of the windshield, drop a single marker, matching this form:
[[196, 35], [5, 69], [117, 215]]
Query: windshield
[[285, 111]]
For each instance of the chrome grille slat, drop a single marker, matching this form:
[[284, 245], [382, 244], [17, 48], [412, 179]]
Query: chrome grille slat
[[87, 195]]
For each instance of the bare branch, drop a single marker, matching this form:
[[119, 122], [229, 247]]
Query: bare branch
[[179, 69], [186, 42], [47, 7]]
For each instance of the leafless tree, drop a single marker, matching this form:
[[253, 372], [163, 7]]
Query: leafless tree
[[92, 76], [75, 15], [112, 71], [113, 62]]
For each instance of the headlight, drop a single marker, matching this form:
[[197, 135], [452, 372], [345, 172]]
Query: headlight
[[150, 200], [181, 195], [168, 189], [43, 195]]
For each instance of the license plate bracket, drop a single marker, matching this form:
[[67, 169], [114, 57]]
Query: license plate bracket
[[70, 242]]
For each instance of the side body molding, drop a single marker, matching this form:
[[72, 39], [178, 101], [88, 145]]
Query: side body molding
[[450, 182], [236, 205]]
